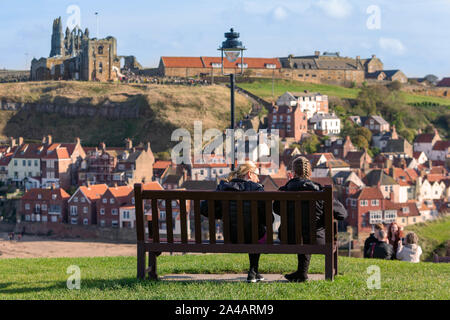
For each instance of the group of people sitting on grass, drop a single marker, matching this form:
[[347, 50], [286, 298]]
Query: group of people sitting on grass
[[246, 178], [392, 244]]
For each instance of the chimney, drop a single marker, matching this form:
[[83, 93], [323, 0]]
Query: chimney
[[317, 53], [430, 164], [77, 141], [128, 144], [52, 186], [13, 142], [115, 185], [148, 149], [102, 146], [20, 141], [374, 56], [394, 135], [49, 140], [44, 139]]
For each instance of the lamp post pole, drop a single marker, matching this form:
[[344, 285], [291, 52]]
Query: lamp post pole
[[232, 118]]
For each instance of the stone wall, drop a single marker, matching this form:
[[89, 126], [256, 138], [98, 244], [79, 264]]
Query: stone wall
[[90, 232], [108, 109]]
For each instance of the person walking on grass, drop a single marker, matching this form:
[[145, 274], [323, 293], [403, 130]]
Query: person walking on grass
[[302, 182], [411, 251], [245, 178]]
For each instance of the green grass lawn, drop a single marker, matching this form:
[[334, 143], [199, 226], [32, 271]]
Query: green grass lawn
[[263, 89], [433, 235], [115, 278]]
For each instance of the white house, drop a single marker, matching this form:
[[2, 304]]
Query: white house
[[325, 124], [309, 103], [127, 217], [440, 150], [424, 142]]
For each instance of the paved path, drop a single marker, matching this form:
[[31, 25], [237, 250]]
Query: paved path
[[228, 277]]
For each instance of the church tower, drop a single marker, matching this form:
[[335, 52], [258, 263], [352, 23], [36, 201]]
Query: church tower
[[57, 39]]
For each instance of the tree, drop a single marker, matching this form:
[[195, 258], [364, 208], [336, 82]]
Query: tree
[[364, 132], [310, 144], [360, 142]]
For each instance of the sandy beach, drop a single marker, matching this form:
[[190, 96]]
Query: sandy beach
[[42, 247]]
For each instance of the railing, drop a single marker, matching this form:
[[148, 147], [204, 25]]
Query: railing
[[155, 245]]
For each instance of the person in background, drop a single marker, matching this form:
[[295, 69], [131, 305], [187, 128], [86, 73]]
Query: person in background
[[302, 182], [245, 178], [395, 235], [372, 240], [411, 251], [382, 249]]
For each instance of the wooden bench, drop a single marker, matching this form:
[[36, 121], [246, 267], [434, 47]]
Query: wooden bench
[[155, 245]]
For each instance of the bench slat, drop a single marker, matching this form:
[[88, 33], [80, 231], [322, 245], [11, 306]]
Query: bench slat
[[183, 222], [269, 225], [197, 221], [155, 220], [240, 222], [298, 222], [212, 222], [312, 222], [226, 221], [284, 222], [255, 237], [169, 221]]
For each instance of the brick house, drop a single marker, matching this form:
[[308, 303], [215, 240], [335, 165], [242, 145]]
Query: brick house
[[309, 103], [109, 204], [339, 147], [289, 120], [83, 204], [44, 205], [358, 159], [376, 124], [388, 186]]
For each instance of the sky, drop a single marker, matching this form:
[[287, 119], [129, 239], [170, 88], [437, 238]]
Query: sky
[[410, 35]]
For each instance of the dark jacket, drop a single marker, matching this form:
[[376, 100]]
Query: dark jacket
[[297, 184], [239, 185], [380, 250], [370, 241]]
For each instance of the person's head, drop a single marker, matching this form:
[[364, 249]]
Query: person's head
[[245, 171], [301, 168], [394, 227], [381, 235], [379, 226], [411, 238]]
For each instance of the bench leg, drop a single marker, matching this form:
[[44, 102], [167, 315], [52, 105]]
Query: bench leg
[[329, 266], [152, 274], [140, 261]]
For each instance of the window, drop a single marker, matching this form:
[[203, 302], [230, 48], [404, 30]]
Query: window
[[73, 210], [374, 203], [44, 219], [75, 199], [375, 217], [114, 223], [102, 211], [216, 65], [54, 218], [100, 68], [114, 212], [242, 65], [85, 209], [105, 200], [39, 196], [100, 50], [15, 163], [27, 217], [271, 66], [390, 216], [27, 206], [54, 196], [102, 223], [83, 199], [29, 163], [73, 221], [111, 200], [36, 163], [44, 207], [85, 222], [24, 163], [364, 203], [274, 118]]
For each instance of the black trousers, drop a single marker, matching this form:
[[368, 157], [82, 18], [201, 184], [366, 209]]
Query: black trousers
[[305, 259], [254, 261]]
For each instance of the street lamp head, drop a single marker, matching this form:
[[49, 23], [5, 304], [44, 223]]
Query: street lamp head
[[232, 47]]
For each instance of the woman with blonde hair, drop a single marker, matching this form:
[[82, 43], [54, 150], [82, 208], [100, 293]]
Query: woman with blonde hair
[[244, 178], [411, 251], [302, 182]]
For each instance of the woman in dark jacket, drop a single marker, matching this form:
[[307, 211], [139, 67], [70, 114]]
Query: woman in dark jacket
[[245, 178], [302, 182]]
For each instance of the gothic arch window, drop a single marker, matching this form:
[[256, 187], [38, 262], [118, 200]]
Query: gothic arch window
[[100, 67], [100, 50]]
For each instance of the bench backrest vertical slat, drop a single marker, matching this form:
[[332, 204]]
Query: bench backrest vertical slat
[[328, 212], [284, 222], [169, 221], [140, 227], [255, 235], [197, 221], [312, 221], [183, 222], [269, 222], [298, 222], [240, 221], [155, 220], [226, 221], [212, 222]]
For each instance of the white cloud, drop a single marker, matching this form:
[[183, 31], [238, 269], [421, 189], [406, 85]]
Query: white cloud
[[394, 46], [335, 8], [279, 13]]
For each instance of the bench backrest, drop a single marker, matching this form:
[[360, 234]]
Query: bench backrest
[[182, 196]]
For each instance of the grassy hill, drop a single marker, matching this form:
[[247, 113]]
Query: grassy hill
[[433, 236], [162, 110], [115, 278]]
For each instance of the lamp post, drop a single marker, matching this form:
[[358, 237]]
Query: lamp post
[[232, 48]]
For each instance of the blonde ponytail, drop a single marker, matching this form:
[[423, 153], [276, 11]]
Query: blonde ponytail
[[242, 171]]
